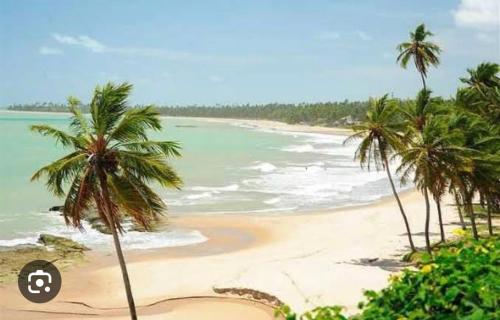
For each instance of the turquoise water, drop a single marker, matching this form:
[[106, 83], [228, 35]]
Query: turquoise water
[[226, 168]]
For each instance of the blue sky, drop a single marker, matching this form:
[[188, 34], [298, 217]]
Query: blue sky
[[208, 52]]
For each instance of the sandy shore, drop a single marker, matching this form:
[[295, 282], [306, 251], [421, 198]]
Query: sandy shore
[[304, 259], [275, 125]]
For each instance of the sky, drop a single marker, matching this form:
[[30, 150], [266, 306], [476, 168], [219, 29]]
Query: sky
[[235, 52]]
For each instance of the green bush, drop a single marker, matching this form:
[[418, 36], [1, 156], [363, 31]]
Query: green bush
[[462, 281], [320, 313]]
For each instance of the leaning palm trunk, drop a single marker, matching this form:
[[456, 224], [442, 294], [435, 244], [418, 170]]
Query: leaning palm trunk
[[427, 221], [440, 216], [407, 225], [490, 224], [470, 212], [460, 215], [116, 240]]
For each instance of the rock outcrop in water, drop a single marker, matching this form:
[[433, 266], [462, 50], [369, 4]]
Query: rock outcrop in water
[[56, 208]]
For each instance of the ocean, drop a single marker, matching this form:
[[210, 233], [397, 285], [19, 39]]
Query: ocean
[[226, 168]]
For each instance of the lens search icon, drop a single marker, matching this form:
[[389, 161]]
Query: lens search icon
[[42, 278], [39, 281]]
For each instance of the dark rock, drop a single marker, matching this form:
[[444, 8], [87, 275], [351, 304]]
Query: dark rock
[[251, 294], [56, 208]]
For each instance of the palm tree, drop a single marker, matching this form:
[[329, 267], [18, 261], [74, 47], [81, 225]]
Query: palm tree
[[381, 136], [415, 117], [424, 53], [431, 156], [110, 166], [484, 76], [482, 95]]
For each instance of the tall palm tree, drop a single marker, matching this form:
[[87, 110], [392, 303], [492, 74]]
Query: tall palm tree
[[381, 136], [110, 166], [424, 53], [434, 154]]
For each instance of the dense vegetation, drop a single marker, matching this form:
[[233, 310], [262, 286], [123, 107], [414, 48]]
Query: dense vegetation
[[323, 114], [461, 281]]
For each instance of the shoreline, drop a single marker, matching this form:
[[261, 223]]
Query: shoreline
[[272, 125]]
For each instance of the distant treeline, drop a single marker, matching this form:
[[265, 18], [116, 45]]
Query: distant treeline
[[322, 114], [45, 107]]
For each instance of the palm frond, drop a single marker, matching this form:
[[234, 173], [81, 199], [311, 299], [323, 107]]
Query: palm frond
[[61, 137], [148, 167], [108, 106], [134, 124], [62, 171], [167, 148]]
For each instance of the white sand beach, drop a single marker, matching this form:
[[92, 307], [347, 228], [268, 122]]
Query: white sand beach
[[308, 259], [276, 125]]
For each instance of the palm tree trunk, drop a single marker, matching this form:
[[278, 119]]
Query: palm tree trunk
[[441, 227], [423, 80], [460, 215], [490, 224], [118, 248], [427, 221], [407, 225], [470, 211]]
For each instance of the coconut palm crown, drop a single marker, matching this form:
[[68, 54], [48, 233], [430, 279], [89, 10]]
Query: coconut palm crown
[[381, 134], [484, 75], [424, 53], [111, 164], [417, 113]]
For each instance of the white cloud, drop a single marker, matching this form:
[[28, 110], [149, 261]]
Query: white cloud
[[49, 51], [96, 46], [83, 41], [215, 79], [479, 14], [331, 35], [363, 36]]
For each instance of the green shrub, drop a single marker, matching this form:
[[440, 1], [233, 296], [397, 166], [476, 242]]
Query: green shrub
[[462, 281], [320, 313]]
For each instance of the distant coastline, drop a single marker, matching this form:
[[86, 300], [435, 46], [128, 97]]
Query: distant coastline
[[325, 114], [258, 123]]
